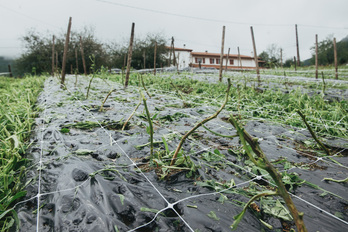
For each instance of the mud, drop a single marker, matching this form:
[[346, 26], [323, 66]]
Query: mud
[[91, 179]]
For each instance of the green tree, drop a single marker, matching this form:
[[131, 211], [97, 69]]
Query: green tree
[[271, 57], [38, 54], [141, 46], [326, 51]]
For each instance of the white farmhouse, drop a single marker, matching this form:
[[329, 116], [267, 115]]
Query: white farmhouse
[[187, 58]]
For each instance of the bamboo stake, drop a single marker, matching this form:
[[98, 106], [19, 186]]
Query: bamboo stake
[[239, 60], [335, 57], [222, 53], [316, 56], [130, 50], [53, 47], [83, 57], [228, 56], [65, 52], [200, 124], [255, 55], [9, 70], [298, 49], [281, 58], [154, 60]]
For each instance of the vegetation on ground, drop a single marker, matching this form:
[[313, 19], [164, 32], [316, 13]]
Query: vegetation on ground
[[17, 114]]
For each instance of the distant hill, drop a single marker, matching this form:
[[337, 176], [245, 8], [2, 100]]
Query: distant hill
[[326, 53]]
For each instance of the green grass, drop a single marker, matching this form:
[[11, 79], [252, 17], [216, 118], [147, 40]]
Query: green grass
[[328, 118], [17, 113]]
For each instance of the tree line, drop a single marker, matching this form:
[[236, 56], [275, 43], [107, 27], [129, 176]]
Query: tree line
[[37, 58], [271, 56]]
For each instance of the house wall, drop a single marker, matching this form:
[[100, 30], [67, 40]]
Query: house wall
[[205, 62]]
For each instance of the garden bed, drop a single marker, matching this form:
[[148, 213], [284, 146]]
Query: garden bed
[[88, 175]]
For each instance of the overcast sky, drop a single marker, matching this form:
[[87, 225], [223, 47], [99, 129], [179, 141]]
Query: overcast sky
[[197, 24]]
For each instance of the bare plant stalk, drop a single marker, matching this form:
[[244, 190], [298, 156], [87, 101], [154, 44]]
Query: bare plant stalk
[[89, 86], [257, 156], [200, 124], [222, 53], [142, 82], [106, 98], [313, 134], [150, 123], [177, 91], [136, 108]]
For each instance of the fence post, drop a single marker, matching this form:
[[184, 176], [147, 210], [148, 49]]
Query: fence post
[[335, 56], [130, 50], [239, 60], [154, 60], [295, 62], [65, 52], [9, 70], [316, 56], [222, 53], [298, 49], [255, 55], [228, 56], [53, 55], [281, 58], [83, 57]]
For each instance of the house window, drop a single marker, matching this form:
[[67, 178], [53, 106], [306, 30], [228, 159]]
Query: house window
[[231, 62], [199, 60], [203, 60], [217, 61], [212, 61]]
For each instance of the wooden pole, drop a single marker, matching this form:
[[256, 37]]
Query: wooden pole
[[239, 60], [255, 55], [65, 52], [53, 47], [77, 63], [222, 53], [335, 57], [316, 56], [174, 58], [56, 60], [170, 53], [295, 62], [154, 60], [298, 48], [281, 58], [144, 59], [83, 57], [130, 50], [228, 56], [9, 70]]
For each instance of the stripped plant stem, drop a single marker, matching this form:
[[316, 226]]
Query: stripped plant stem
[[137, 106], [106, 98], [257, 156], [313, 134], [142, 82], [337, 181], [200, 124], [177, 91], [239, 217], [218, 134], [150, 124]]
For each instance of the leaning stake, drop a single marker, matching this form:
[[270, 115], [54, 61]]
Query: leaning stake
[[65, 52], [222, 53], [130, 49]]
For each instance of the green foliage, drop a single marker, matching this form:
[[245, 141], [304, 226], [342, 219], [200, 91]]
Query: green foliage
[[17, 111], [39, 51], [326, 51]]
